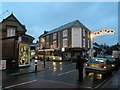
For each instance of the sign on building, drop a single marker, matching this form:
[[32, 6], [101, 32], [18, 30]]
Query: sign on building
[[2, 64]]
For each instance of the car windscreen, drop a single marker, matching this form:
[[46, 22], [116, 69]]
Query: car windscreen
[[97, 61]]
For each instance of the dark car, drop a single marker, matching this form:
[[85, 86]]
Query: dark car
[[114, 62], [72, 59]]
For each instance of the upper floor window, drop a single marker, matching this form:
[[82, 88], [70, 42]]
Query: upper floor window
[[88, 34], [65, 42], [10, 31], [83, 42], [47, 44], [65, 32], [83, 32], [54, 44], [88, 43], [54, 35], [47, 38]]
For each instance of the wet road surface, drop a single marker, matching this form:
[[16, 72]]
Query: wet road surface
[[61, 75]]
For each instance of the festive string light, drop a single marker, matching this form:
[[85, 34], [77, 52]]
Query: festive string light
[[104, 32]]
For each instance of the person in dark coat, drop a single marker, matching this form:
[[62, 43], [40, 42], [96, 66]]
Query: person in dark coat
[[79, 67]]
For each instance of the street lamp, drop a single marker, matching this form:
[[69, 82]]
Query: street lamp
[[36, 63], [44, 56]]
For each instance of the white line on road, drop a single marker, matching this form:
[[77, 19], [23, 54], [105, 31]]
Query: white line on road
[[66, 72], [19, 84]]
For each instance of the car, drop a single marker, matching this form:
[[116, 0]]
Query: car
[[114, 62], [98, 65]]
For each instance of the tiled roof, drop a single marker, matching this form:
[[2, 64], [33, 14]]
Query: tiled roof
[[75, 23]]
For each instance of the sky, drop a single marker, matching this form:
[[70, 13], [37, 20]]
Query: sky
[[40, 16]]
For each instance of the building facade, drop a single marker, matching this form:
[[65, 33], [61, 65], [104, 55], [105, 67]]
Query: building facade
[[15, 43], [70, 38]]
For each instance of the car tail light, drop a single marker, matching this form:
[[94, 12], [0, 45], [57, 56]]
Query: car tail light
[[104, 67], [86, 64]]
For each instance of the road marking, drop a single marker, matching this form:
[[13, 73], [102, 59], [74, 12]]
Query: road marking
[[19, 84], [66, 72]]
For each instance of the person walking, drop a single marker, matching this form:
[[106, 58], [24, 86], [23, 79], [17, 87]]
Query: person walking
[[79, 67]]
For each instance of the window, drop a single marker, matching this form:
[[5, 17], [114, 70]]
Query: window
[[10, 32], [83, 42], [65, 43], [83, 32], [88, 34], [88, 43], [58, 39], [47, 38], [65, 33], [54, 44], [47, 44], [54, 35]]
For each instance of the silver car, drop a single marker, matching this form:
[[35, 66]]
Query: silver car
[[98, 65]]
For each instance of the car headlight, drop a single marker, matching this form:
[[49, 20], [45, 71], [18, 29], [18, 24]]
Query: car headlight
[[60, 58], [113, 65], [53, 57]]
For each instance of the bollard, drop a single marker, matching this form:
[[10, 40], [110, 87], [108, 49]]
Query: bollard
[[36, 63]]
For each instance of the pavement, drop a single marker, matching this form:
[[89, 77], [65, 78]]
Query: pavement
[[27, 69]]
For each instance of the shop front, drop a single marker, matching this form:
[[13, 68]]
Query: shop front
[[24, 51], [24, 54], [69, 52]]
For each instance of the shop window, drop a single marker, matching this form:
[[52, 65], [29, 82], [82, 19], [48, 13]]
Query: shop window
[[24, 54]]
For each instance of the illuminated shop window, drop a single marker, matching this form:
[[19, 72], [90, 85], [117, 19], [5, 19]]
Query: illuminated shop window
[[24, 54]]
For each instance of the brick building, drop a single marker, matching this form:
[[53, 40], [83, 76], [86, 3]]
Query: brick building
[[73, 37], [15, 43]]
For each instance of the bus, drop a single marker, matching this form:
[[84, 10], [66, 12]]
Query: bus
[[49, 54]]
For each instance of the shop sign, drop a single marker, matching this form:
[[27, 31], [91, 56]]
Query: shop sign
[[2, 64]]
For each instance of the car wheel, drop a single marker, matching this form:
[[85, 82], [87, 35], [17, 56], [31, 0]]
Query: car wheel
[[87, 73]]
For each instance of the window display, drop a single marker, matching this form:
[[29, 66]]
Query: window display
[[24, 54]]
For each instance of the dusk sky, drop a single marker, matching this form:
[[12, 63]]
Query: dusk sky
[[40, 16]]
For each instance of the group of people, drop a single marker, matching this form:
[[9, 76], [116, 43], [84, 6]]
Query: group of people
[[79, 66]]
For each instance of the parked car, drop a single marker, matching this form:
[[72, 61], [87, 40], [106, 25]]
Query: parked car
[[98, 65], [114, 62]]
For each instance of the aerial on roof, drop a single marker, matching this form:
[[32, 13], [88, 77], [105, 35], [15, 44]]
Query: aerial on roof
[[75, 23]]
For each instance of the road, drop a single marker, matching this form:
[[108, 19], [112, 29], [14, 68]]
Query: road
[[61, 75]]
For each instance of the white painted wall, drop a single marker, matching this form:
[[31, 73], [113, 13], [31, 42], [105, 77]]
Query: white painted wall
[[76, 37]]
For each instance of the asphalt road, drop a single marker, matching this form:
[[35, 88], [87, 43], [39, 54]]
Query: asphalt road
[[62, 75]]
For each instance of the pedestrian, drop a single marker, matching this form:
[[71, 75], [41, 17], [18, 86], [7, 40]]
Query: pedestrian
[[79, 67]]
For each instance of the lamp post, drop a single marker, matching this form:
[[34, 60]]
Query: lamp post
[[36, 63], [44, 56]]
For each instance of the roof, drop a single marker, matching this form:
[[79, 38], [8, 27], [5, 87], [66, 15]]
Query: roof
[[28, 36], [23, 26], [75, 23]]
